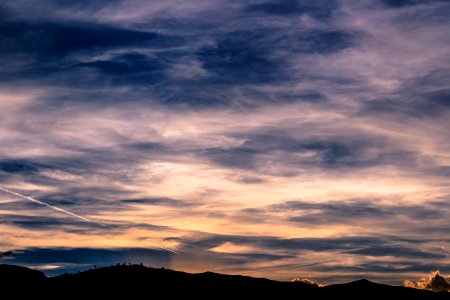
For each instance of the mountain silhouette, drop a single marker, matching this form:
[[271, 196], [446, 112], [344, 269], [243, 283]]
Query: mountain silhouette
[[11, 275], [137, 281]]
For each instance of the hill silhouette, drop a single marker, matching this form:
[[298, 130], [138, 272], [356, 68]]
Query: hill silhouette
[[138, 281]]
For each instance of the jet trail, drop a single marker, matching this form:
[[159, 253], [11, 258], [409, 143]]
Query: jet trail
[[50, 206], [66, 212]]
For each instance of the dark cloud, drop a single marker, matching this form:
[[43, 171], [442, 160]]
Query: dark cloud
[[235, 259], [21, 166], [73, 196], [423, 96], [241, 56], [336, 152], [316, 9], [18, 205], [240, 157], [49, 9], [405, 3], [251, 180], [59, 223], [29, 168], [260, 56], [87, 200], [375, 267], [86, 160], [319, 41], [89, 256], [341, 215], [342, 212], [158, 201], [366, 246], [84, 57], [219, 93], [3, 12], [396, 251], [5, 254], [82, 4], [55, 223], [131, 68], [148, 147], [50, 40], [68, 55], [313, 96]]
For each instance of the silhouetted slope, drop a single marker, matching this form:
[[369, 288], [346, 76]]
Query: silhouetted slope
[[139, 279], [141, 282], [363, 288], [10, 274], [20, 280]]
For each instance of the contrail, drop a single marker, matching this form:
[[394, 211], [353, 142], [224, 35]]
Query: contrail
[[66, 212], [50, 206]]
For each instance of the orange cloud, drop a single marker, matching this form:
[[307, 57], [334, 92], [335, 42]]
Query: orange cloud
[[307, 281], [434, 282]]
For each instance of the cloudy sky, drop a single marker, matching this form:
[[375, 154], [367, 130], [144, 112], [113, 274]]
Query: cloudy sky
[[273, 138]]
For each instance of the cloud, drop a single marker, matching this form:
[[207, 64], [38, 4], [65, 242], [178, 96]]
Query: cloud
[[249, 56], [92, 55], [5, 254], [435, 282], [287, 151], [20, 166], [357, 209], [129, 68], [158, 201], [405, 3], [41, 223], [55, 40], [307, 281], [287, 8], [423, 96], [360, 245]]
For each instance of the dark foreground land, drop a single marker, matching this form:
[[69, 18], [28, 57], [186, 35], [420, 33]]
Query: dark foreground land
[[139, 282]]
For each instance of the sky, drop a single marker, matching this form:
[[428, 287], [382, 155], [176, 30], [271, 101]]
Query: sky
[[271, 138]]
